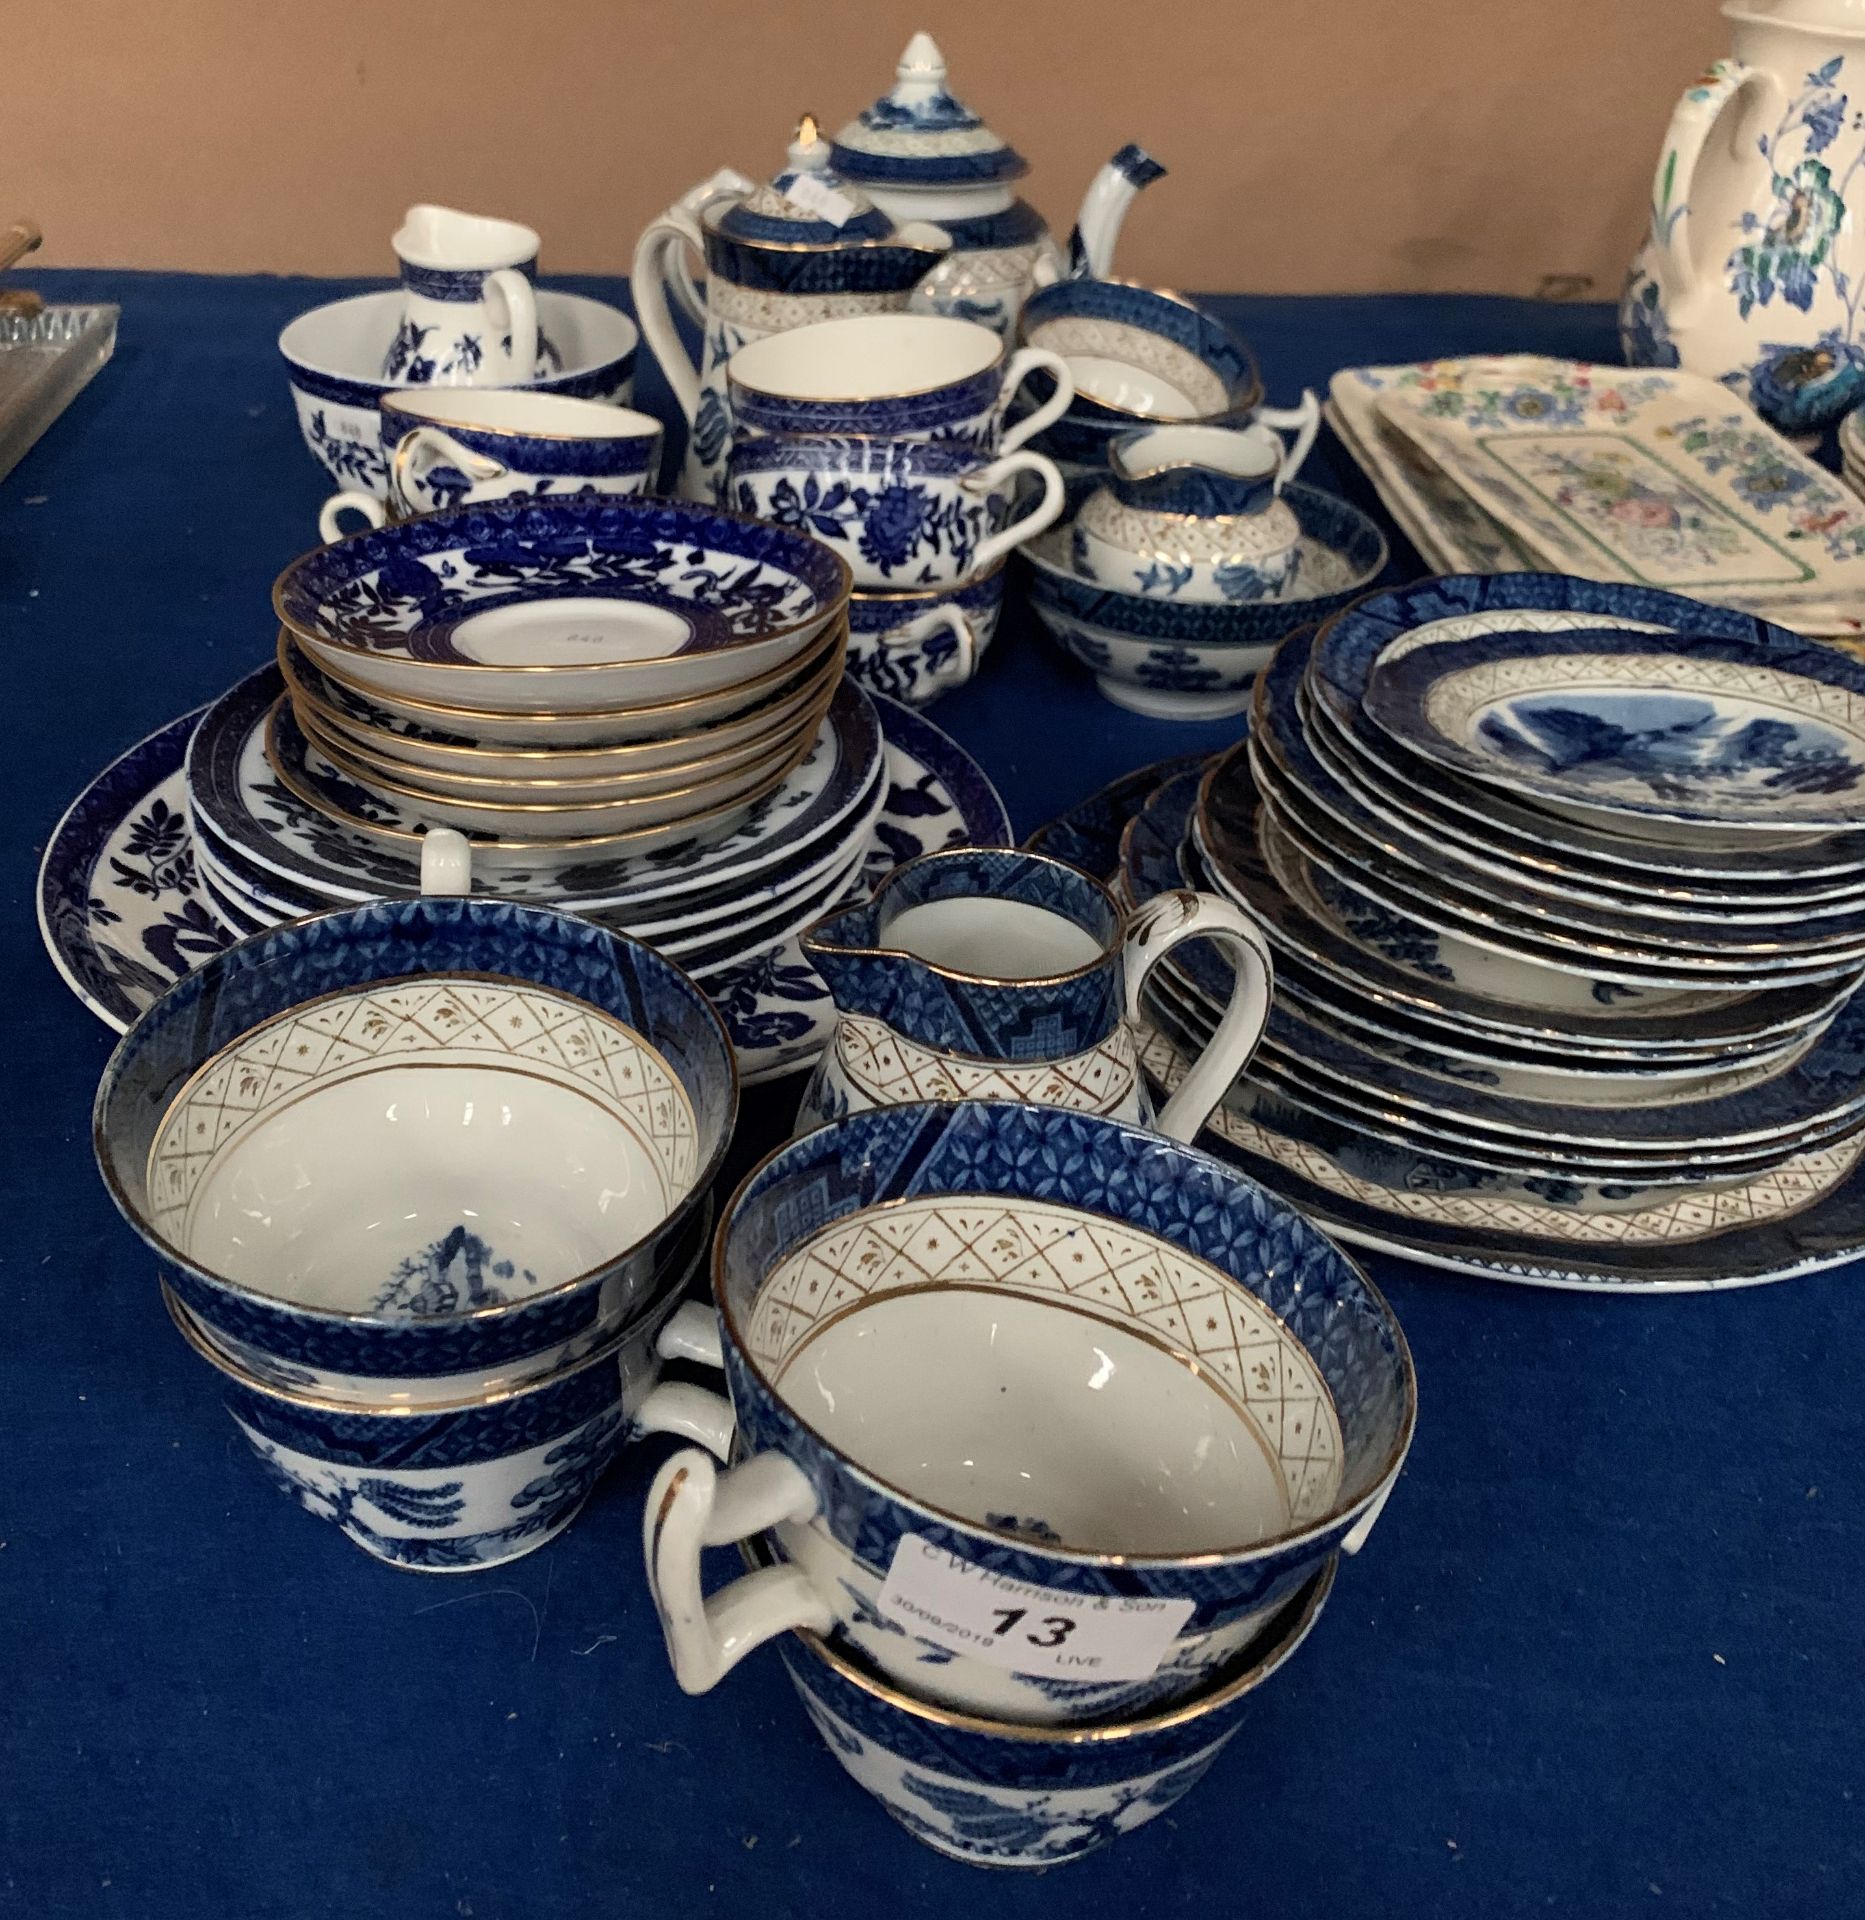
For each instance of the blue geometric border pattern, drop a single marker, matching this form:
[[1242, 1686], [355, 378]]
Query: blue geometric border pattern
[[521, 538], [393, 940], [1017, 225], [464, 285], [458, 1437], [1121, 1172], [824, 268], [882, 612], [989, 1019], [1179, 321]]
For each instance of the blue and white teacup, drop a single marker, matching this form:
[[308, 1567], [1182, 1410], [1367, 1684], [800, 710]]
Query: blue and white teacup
[[1225, 1402], [469, 313], [466, 1484], [438, 1139], [995, 1793], [902, 513], [445, 448], [915, 643], [901, 375]]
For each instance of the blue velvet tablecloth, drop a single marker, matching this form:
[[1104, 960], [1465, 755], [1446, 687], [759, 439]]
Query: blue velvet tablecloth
[[1602, 1655]]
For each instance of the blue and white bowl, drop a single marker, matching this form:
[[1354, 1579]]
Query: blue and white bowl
[[915, 644], [994, 1793], [459, 1486], [1197, 660], [334, 353], [1139, 355], [562, 605], [897, 1291], [528, 1108]]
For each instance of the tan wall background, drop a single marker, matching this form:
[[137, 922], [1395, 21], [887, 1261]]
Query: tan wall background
[[1357, 144]]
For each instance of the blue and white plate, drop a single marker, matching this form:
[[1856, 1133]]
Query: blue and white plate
[[243, 805], [123, 913], [1288, 767], [576, 602], [1806, 1215], [1087, 835], [1812, 1092], [1460, 607], [1400, 964], [1651, 735]]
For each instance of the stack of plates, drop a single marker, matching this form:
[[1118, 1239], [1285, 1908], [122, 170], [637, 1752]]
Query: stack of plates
[[1652, 477], [1566, 884], [634, 708]]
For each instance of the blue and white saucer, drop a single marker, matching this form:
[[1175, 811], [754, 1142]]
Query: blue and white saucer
[[1657, 736], [123, 912]]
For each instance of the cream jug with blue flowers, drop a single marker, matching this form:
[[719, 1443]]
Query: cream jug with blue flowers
[[1754, 268]]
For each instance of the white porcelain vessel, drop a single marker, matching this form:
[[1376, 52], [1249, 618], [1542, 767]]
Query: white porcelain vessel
[[985, 974], [1753, 270], [463, 445], [469, 315], [808, 246], [1196, 513]]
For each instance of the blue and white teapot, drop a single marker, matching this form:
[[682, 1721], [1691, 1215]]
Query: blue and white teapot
[[983, 973], [809, 246]]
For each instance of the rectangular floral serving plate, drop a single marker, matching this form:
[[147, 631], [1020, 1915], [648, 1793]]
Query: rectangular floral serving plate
[[1656, 478]]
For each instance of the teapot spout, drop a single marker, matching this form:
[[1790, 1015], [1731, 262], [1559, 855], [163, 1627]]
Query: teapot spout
[[1103, 208]]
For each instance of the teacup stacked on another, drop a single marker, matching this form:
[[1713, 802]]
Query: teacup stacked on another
[[883, 436], [1050, 1432], [426, 1181]]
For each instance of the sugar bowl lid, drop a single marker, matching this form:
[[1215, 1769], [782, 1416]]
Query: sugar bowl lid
[[807, 205], [919, 135]]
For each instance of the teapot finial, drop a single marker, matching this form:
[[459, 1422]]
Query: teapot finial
[[921, 72], [809, 151]]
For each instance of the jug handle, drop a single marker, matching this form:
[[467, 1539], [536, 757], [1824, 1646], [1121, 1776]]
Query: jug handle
[[1699, 113], [1152, 933], [727, 184], [648, 279]]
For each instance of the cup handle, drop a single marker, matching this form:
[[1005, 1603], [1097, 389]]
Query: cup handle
[[1357, 1535], [330, 515], [421, 449], [691, 1506], [519, 299], [446, 862], [1152, 933], [1046, 512], [964, 661], [679, 1407], [1023, 363], [1304, 421]]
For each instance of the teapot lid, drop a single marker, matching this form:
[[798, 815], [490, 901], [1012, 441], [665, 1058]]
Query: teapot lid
[[919, 135], [808, 204]]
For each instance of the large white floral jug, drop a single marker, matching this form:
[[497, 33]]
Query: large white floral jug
[[1752, 272]]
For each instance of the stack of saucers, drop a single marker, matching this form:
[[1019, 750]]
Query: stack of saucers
[[1566, 883], [634, 708]]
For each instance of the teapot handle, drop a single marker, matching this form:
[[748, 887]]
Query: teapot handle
[[1704, 108], [656, 254], [727, 184]]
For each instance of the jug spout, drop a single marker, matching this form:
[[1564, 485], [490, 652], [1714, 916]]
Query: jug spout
[[1104, 206]]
